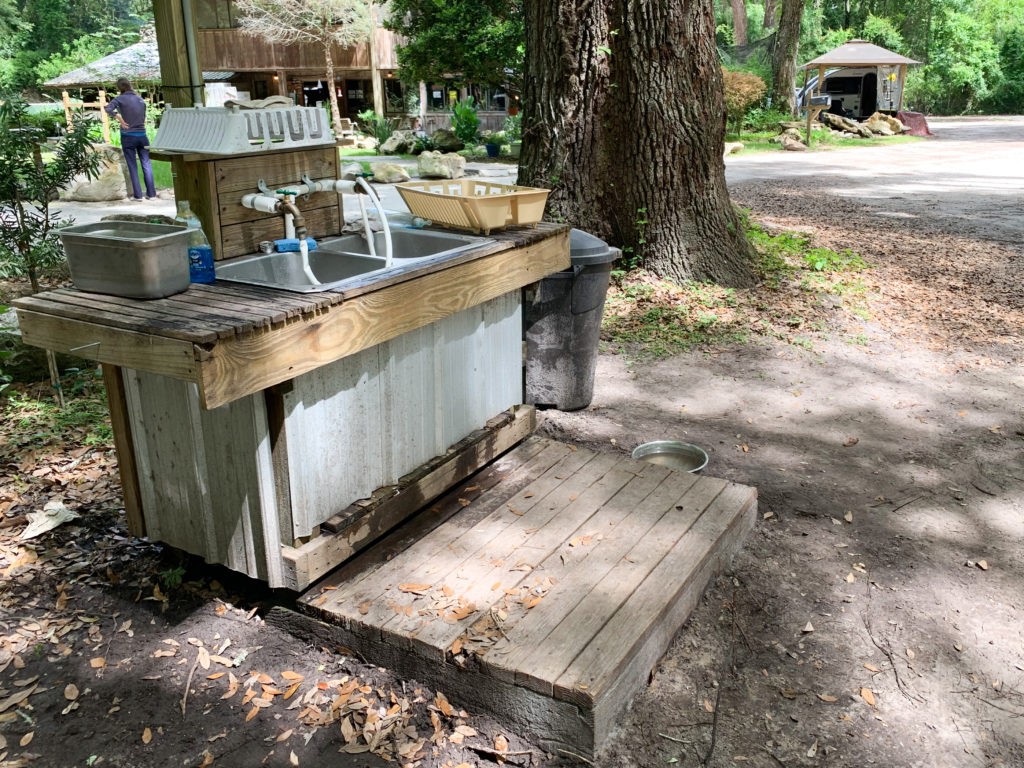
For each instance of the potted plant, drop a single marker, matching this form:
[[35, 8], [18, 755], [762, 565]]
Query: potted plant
[[493, 142]]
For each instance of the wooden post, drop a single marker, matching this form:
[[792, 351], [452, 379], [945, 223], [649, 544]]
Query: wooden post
[[281, 78], [902, 83], [104, 117], [170, 37], [67, 107], [378, 95]]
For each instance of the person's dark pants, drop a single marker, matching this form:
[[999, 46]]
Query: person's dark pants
[[138, 145]]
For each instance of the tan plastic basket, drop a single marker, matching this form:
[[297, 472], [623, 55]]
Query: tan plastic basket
[[478, 206]]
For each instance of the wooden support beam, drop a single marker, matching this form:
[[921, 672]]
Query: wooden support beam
[[361, 525], [124, 444]]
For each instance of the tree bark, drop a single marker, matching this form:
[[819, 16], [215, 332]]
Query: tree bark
[[770, 9], [784, 55], [739, 22], [627, 128]]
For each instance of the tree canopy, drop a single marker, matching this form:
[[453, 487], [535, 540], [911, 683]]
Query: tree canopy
[[476, 41]]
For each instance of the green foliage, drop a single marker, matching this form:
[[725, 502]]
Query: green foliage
[[514, 127], [881, 31], [465, 121], [479, 41], [33, 422], [962, 71], [378, 126], [1008, 94], [84, 50], [742, 91], [29, 243], [765, 119]]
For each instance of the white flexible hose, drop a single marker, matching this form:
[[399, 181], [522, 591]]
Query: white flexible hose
[[366, 227], [383, 220], [304, 254]]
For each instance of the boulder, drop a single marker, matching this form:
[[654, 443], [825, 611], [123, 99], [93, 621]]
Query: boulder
[[438, 165], [792, 145], [894, 125], [878, 127], [389, 173], [398, 143], [109, 185], [446, 141], [732, 147], [840, 123]]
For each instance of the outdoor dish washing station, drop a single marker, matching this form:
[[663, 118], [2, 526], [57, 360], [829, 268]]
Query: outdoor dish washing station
[[330, 381]]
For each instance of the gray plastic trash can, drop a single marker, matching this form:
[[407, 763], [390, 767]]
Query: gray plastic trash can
[[562, 326]]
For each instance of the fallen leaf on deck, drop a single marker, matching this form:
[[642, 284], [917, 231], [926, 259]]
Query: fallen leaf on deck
[[828, 697], [252, 713], [708, 706], [27, 739], [871, 668], [286, 735], [848, 517], [364, 607], [415, 588], [789, 693], [868, 696], [808, 628], [147, 736], [98, 662], [207, 759], [500, 743], [983, 564], [850, 578], [293, 759], [71, 692], [850, 441], [910, 653]]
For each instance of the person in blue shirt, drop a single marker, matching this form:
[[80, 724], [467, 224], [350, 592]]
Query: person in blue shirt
[[131, 114]]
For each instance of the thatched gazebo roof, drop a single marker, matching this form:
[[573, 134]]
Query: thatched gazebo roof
[[139, 62]]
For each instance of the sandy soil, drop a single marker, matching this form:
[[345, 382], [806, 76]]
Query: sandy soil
[[873, 617]]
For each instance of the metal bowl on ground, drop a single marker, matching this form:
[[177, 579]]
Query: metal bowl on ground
[[672, 454]]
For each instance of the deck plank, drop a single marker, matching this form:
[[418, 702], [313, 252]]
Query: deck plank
[[563, 582], [372, 581], [581, 594], [597, 667]]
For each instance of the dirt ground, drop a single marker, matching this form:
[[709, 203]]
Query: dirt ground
[[873, 617]]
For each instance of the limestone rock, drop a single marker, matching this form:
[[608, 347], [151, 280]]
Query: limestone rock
[[732, 147], [389, 173], [398, 143], [878, 127], [438, 165], [446, 141], [792, 145], [839, 123], [109, 185], [894, 125]]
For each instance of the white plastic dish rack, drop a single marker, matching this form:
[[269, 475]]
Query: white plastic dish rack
[[232, 131]]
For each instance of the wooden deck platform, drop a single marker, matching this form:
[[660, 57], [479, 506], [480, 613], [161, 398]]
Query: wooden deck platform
[[542, 590]]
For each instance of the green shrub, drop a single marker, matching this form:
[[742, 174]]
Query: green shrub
[[378, 126], [764, 119], [465, 121], [742, 91], [514, 127]]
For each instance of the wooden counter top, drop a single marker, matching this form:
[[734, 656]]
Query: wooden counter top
[[233, 340]]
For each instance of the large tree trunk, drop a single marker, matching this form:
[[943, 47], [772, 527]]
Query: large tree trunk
[[770, 8], [739, 22], [628, 128], [784, 55], [335, 109]]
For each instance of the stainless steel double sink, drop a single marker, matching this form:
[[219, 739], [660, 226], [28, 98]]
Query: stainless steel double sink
[[345, 260]]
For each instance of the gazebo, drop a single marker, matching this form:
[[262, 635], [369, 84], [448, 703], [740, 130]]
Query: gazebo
[[882, 92], [139, 62]]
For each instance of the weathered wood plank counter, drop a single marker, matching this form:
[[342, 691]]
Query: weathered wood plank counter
[[247, 418]]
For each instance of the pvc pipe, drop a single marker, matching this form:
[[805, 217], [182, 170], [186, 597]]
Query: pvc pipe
[[366, 228]]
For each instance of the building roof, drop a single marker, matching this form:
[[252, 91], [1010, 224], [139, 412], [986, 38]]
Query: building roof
[[139, 62], [859, 53]]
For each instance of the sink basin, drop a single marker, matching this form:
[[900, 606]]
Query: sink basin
[[345, 261]]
